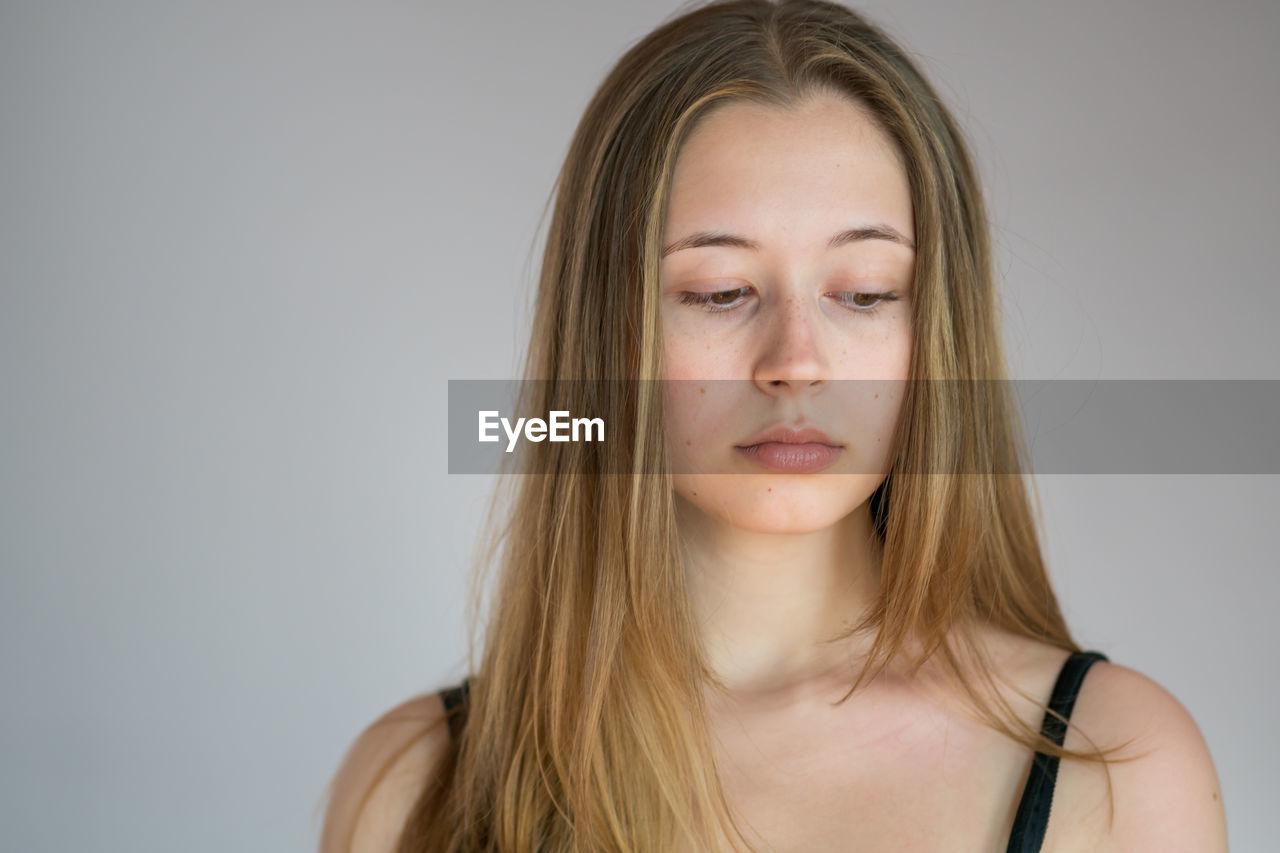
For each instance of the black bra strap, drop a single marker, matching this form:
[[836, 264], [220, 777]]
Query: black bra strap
[[456, 701], [1033, 810]]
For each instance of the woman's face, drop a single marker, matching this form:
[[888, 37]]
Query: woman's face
[[783, 226]]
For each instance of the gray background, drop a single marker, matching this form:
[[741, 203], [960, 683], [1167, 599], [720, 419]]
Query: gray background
[[244, 245]]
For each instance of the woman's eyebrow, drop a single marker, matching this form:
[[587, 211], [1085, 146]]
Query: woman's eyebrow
[[879, 231]]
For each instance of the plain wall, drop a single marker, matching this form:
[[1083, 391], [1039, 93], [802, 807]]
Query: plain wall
[[243, 246]]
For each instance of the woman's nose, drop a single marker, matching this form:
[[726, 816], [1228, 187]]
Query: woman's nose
[[790, 356]]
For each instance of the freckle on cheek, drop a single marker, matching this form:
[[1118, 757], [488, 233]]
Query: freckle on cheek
[[702, 390], [688, 443]]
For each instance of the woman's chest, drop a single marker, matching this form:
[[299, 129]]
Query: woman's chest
[[906, 781]]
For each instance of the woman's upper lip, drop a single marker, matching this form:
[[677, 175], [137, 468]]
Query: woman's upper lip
[[793, 435]]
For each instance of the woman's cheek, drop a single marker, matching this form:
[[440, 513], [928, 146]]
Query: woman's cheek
[[702, 357]]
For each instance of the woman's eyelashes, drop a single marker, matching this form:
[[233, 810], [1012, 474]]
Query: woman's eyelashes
[[728, 300], [720, 300], [854, 300]]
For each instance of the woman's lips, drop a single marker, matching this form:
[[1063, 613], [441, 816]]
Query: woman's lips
[[807, 458]]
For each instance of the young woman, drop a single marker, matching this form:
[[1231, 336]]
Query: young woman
[[812, 617]]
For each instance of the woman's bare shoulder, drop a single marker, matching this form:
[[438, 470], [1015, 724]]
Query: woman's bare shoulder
[[1163, 784], [382, 776], [1168, 797]]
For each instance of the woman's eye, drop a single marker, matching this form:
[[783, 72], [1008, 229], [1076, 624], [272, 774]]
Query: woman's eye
[[864, 303], [720, 300]]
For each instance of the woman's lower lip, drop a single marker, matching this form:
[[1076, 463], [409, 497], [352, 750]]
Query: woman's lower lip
[[805, 458]]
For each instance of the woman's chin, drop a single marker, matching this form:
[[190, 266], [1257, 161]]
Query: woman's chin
[[776, 505]]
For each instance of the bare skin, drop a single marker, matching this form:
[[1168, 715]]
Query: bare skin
[[892, 769], [899, 766]]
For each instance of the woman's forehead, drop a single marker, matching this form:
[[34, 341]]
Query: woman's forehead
[[795, 172]]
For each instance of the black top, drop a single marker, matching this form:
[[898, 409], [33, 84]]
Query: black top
[[455, 706], [1032, 817], [1033, 810]]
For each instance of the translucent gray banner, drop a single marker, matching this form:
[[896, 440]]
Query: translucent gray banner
[[1067, 426]]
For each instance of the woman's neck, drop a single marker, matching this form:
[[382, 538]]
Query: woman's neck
[[768, 604]]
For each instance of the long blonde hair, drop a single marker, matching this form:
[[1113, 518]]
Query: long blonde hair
[[586, 727]]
